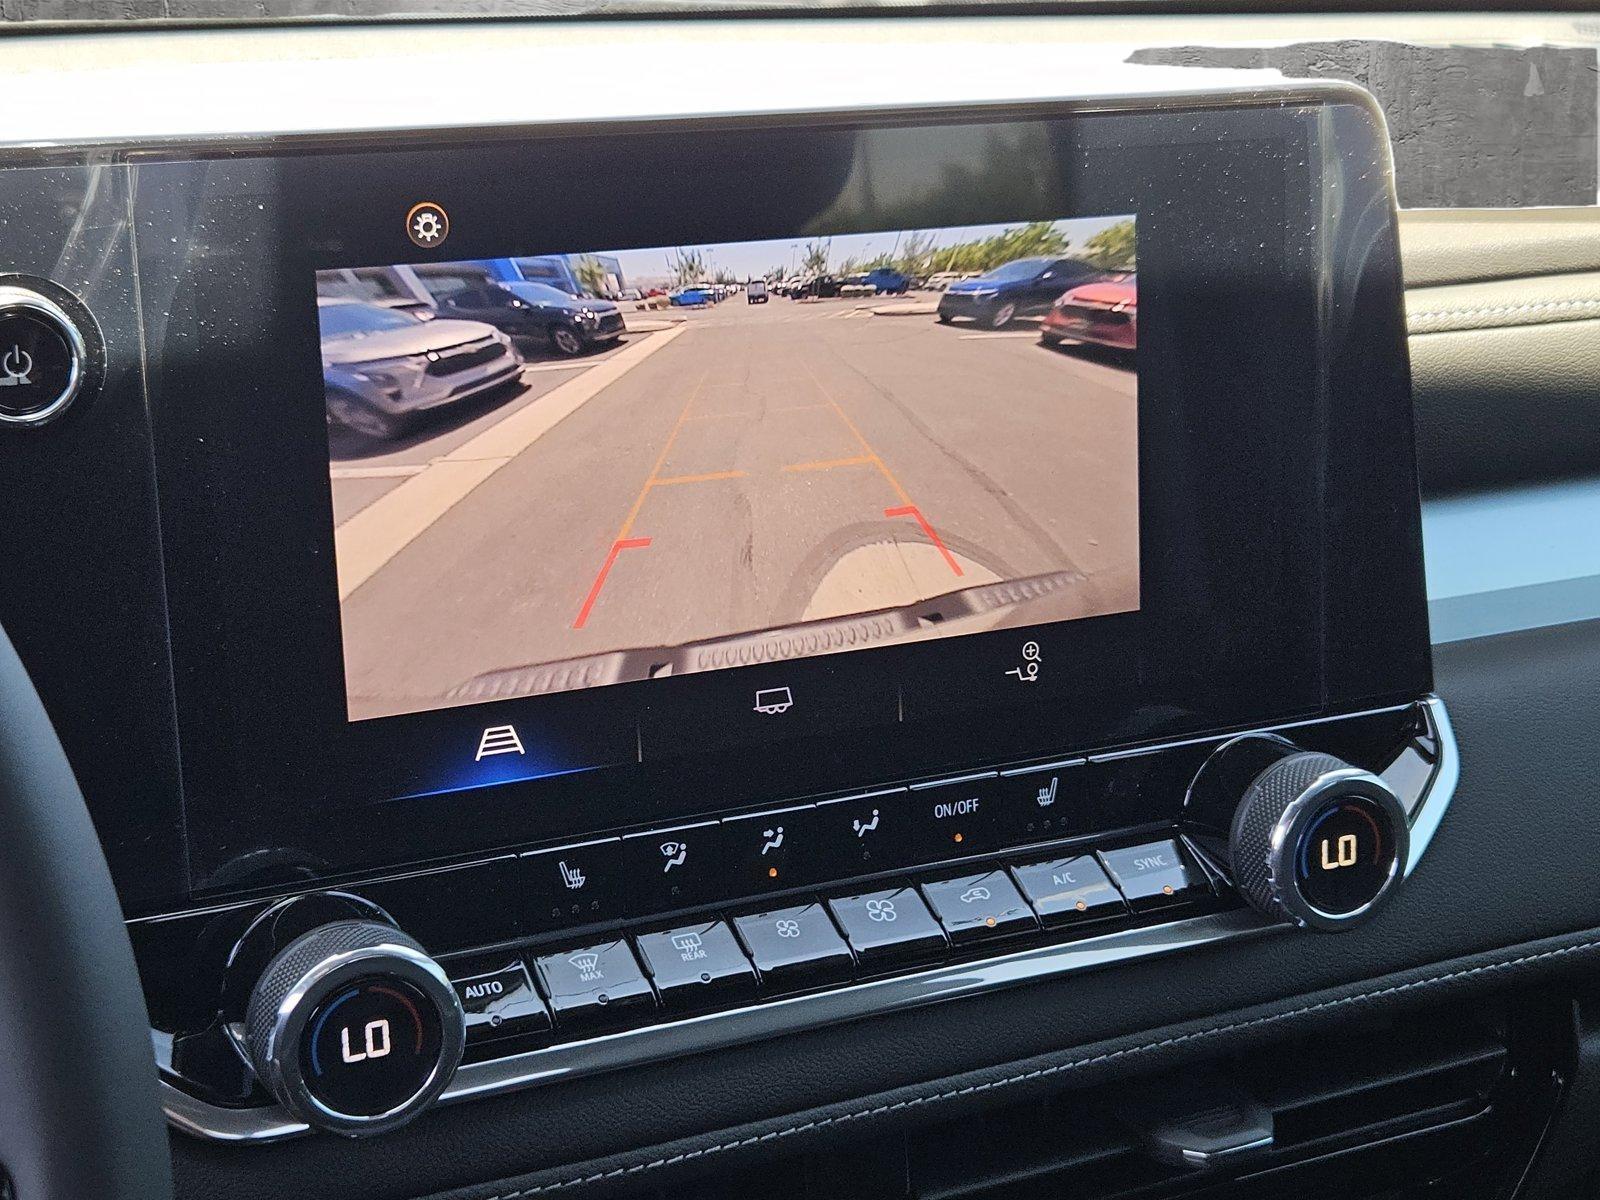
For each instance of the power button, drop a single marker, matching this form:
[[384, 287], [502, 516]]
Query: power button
[[42, 358]]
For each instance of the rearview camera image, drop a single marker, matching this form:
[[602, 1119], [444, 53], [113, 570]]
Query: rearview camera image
[[572, 470]]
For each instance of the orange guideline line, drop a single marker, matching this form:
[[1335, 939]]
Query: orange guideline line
[[906, 508], [860, 438], [622, 541], [860, 460], [911, 510], [706, 478], [617, 547]]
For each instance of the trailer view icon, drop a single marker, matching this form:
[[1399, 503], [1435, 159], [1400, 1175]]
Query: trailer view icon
[[772, 701]]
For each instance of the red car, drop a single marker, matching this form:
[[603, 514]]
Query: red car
[[1106, 313]]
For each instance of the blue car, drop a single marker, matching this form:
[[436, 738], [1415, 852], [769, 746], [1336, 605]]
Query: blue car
[[690, 297], [888, 281], [1015, 289]]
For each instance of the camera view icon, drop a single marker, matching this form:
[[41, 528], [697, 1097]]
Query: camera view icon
[[498, 739], [772, 701]]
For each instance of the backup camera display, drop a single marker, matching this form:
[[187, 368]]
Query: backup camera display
[[569, 470]]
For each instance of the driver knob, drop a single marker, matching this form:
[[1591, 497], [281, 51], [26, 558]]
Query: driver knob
[[353, 1028]]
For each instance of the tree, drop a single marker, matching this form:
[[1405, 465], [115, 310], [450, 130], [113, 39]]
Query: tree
[[1112, 249], [815, 260], [688, 267], [915, 256], [591, 275]]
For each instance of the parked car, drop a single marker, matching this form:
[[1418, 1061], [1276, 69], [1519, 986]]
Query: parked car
[[1015, 289], [1105, 313], [755, 291], [382, 366], [816, 286], [691, 297], [939, 280], [411, 305], [888, 281], [569, 324]]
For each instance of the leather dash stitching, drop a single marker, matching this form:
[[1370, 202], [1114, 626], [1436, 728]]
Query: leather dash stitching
[[1493, 310]]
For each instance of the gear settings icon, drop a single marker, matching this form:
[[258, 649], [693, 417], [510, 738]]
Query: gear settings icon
[[427, 225]]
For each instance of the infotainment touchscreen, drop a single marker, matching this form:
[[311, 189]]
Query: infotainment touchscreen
[[526, 486], [568, 469]]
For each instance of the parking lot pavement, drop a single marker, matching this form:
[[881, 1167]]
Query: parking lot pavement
[[364, 471], [774, 463]]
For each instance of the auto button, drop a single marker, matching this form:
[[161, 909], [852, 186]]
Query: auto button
[[501, 1003]]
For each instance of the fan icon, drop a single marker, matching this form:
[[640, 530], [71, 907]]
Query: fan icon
[[427, 225]]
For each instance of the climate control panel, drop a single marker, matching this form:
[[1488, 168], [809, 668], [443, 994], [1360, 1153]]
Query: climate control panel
[[354, 1008]]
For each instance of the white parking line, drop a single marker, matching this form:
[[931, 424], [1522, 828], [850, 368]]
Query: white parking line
[[557, 366], [389, 471], [368, 540], [982, 337]]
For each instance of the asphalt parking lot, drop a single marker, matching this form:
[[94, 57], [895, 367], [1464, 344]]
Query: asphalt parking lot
[[747, 468]]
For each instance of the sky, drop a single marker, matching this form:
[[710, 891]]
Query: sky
[[746, 260]]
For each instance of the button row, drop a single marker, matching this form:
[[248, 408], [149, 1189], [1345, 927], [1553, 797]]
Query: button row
[[706, 862], [714, 963], [700, 864]]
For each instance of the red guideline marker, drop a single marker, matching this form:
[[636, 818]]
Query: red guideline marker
[[911, 510], [617, 547]]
